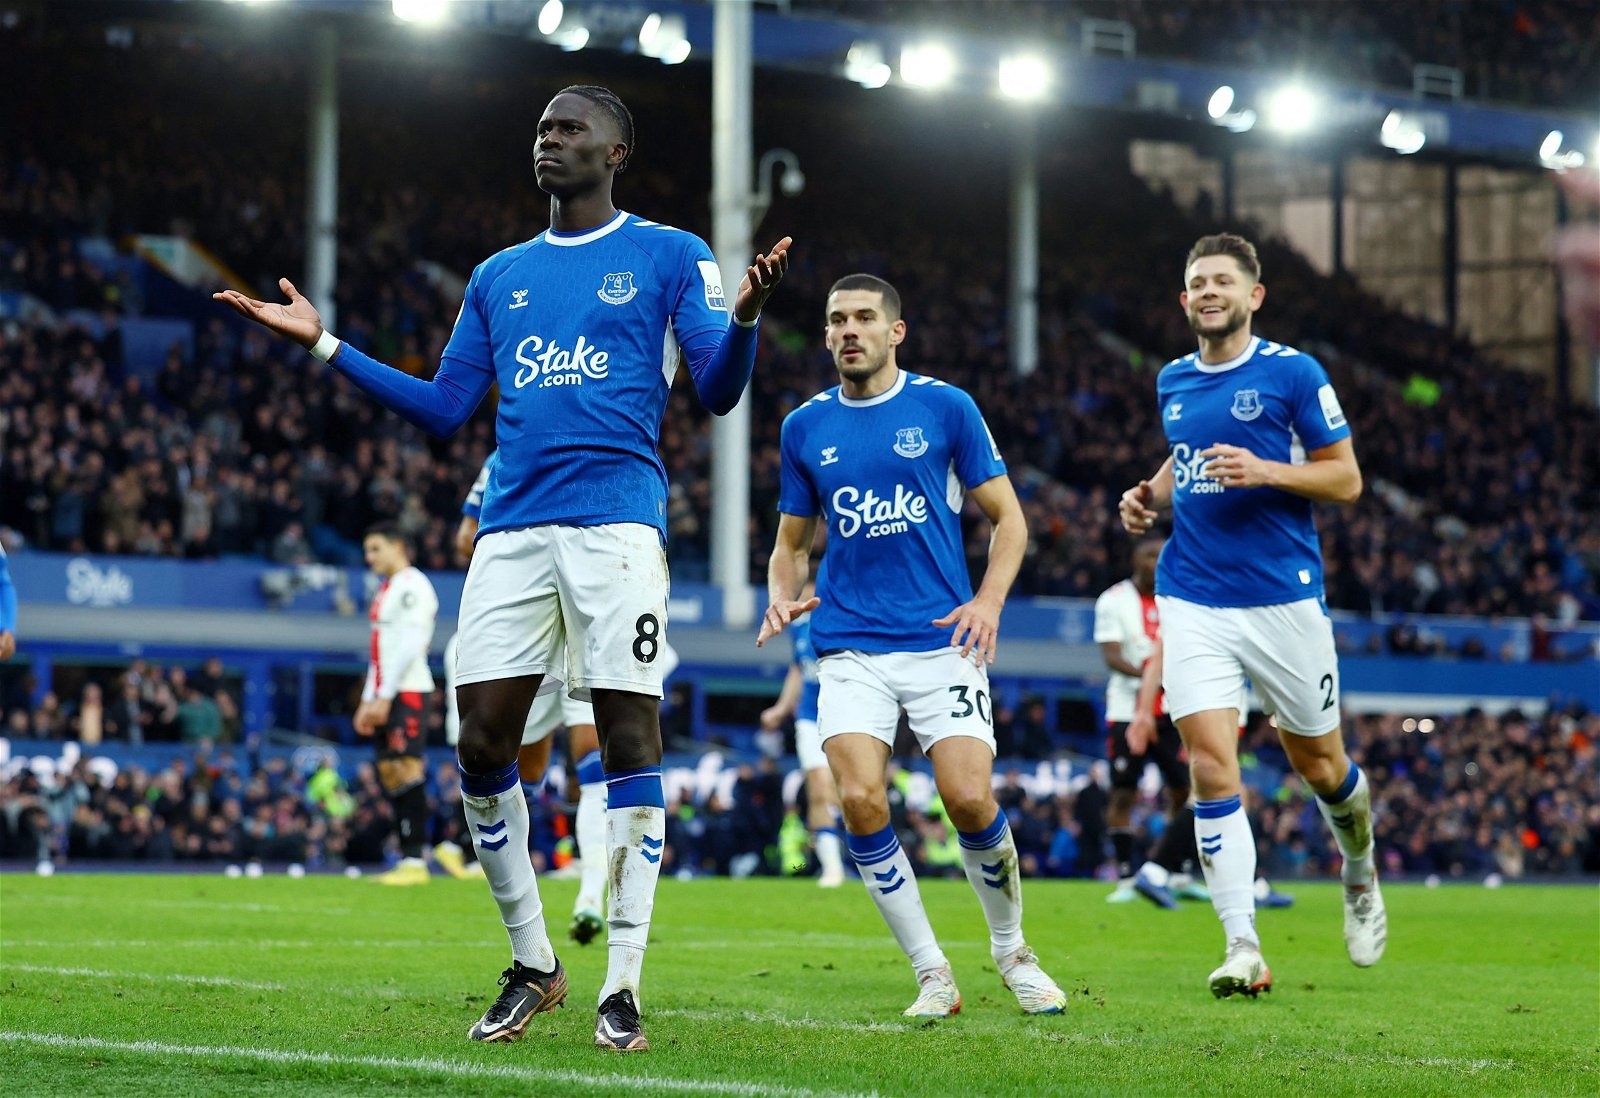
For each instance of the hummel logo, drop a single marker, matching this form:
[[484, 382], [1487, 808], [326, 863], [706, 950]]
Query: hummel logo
[[496, 828], [1345, 822], [885, 879], [651, 849], [520, 299], [997, 871], [830, 454], [1174, 411]]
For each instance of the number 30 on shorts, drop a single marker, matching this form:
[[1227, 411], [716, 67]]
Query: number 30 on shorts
[[964, 704], [647, 643]]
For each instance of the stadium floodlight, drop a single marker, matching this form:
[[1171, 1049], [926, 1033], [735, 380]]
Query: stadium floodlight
[[572, 40], [1401, 133], [1220, 103], [1292, 109], [1551, 155], [648, 31], [424, 13], [550, 17], [864, 64], [927, 65], [664, 38], [1220, 109], [1024, 76]]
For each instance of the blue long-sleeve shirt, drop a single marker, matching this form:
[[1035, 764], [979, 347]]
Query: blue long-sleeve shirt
[[584, 333], [8, 597]]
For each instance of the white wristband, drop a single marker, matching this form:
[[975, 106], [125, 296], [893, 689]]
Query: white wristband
[[742, 324], [325, 346]]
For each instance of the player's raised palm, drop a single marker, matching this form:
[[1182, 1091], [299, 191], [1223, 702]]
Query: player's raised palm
[[297, 320], [760, 279]]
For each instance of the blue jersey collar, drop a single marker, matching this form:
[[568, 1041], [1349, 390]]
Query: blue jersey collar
[[888, 394], [572, 240], [1232, 363]]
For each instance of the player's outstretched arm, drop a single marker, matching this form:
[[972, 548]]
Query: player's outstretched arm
[[439, 406], [721, 362], [977, 623], [1142, 504], [787, 570], [8, 612]]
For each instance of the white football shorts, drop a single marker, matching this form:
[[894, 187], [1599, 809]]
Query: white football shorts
[[550, 711], [942, 694], [584, 603], [1287, 650], [808, 745]]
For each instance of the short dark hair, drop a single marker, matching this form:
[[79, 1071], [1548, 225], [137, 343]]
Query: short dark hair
[[607, 100], [1242, 251], [386, 530], [891, 296]]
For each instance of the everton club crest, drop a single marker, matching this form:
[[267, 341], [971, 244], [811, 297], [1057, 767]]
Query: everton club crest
[[618, 289], [909, 443], [1246, 404]]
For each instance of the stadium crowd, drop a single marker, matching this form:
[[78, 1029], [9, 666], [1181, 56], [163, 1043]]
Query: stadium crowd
[[1484, 491], [1534, 51], [1460, 797]]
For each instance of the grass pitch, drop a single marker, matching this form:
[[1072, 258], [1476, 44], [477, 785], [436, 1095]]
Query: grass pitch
[[179, 985]]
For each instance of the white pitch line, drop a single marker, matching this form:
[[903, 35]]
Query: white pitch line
[[212, 905], [757, 1017], [245, 943], [1444, 1062], [102, 974], [453, 1068]]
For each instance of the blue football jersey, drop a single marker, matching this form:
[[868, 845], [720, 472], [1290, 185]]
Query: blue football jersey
[[888, 475], [8, 601], [582, 331], [1244, 546], [472, 506], [805, 654]]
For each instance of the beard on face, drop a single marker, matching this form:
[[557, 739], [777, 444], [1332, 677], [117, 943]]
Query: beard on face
[[1233, 320], [864, 367]]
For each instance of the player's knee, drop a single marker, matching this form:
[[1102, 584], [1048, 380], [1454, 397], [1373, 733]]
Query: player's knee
[[1320, 773], [479, 751], [970, 808], [866, 807], [631, 745], [1214, 775], [630, 730]]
